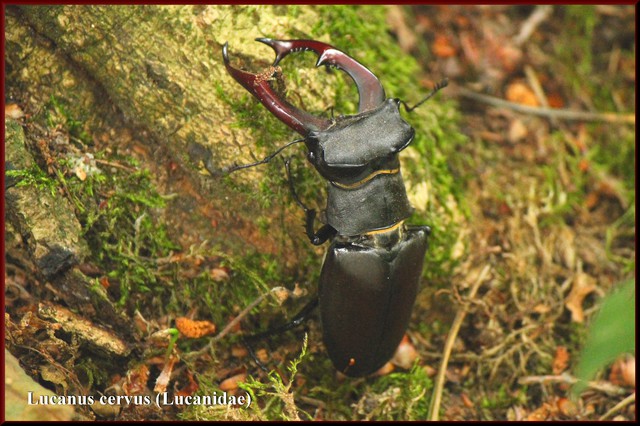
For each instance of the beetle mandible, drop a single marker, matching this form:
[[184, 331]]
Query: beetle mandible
[[371, 272]]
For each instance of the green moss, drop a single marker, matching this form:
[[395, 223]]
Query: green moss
[[58, 116], [502, 399], [271, 400], [33, 176]]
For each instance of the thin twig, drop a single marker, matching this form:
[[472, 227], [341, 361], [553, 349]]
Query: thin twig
[[539, 14], [234, 322], [562, 114], [113, 164], [604, 387], [619, 406], [244, 313], [436, 398]]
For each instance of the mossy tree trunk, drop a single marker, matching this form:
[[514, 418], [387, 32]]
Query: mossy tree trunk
[[151, 79]]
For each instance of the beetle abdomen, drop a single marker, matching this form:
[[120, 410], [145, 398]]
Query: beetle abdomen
[[366, 296]]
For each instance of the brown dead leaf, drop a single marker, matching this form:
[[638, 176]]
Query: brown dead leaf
[[194, 329], [541, 309], [591, 200], [583, 285], [239, 351], [583, 165], [406, 354], [262, 355], [190, 388], [136, 380], [385, 369], [520, 93], [442, 47], [567, 408], [539, 414], [517, 131], [13, 111], [219, 274], [231, 383], [80, 173], [555, 100], [560, 360], [466, 400], [623, 371], [469, 45]]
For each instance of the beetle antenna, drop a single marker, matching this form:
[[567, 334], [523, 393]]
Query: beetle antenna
[[235, 167], [442, 84], [294, 194]]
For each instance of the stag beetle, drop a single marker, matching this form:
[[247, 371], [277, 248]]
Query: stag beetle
[[372, 268]]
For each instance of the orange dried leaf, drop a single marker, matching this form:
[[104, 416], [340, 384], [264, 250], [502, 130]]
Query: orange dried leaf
[[104, 282], [219, 274], [583, 165], [442, 47], [385, 369], [406, 354], [561, 360], [13, 111], [591, 200], [628, 370], [541, 309], [231, 383], [239, 351], [520, 93], [583, 285], [555, 100], [262, 355], [541, 413], [466, 400], [567, 408], [194, 329], [623, 371]]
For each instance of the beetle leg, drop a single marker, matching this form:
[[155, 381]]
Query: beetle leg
[[369, 87], [315, 237], [298, 319], [259, 86]]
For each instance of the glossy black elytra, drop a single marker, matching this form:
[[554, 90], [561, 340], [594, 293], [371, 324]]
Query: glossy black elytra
[[372, 269]]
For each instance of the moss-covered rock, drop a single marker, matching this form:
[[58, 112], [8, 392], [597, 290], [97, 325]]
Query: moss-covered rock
[[45, 220]]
